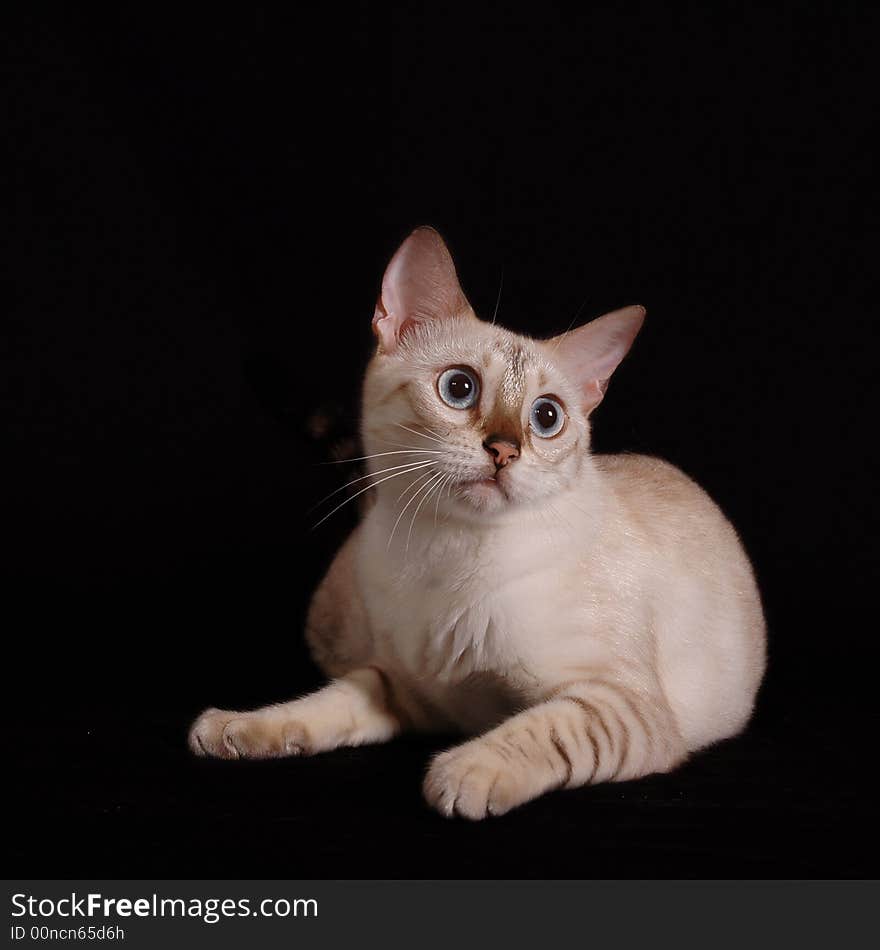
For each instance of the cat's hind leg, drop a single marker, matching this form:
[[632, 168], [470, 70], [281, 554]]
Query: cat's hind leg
[[352, 710]]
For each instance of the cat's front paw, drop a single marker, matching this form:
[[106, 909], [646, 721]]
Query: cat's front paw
[[473, 781], [240, 735]]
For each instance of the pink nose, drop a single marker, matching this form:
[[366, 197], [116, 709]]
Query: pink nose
[[503, 451]]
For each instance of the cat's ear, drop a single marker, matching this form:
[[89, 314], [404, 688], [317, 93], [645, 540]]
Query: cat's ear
[[420, 284], [590, 354]]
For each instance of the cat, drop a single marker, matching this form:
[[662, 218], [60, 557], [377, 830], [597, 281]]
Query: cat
[[584, 618]]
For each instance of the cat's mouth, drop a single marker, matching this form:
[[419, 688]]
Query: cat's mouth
[[486, 487]]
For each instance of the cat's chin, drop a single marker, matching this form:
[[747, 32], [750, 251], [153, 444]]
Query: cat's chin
[[485, 494]]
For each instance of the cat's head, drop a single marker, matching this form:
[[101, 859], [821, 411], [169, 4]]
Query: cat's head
[[459, 412]]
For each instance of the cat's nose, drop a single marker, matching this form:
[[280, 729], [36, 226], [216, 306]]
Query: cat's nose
[[503, 451]]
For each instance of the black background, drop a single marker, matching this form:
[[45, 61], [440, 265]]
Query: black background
[[201, 209]]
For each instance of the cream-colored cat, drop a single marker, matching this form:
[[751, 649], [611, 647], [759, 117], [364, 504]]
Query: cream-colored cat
[[586, 618]]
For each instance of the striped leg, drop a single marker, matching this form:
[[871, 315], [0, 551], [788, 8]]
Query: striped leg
[[588, 731], [352, 710]]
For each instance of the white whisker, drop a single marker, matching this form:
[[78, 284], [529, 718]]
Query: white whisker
[[402, 513], [421, 434], [354, 481], [402, 445], [367, 488], [425, 497], [363, 458], [568, 329], [415, 481], [439, 496], [498, 298]]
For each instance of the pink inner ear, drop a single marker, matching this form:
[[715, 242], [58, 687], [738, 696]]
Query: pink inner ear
[[591, 353], [420, 284]]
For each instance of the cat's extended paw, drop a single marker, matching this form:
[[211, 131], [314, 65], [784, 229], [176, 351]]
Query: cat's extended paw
[[473, 781], [235, 735]]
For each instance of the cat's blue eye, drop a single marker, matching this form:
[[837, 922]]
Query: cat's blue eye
[[459, 387], [547, 417]]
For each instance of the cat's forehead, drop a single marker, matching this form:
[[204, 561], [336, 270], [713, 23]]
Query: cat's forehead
[[490, 349], [510, 365], [517, 361]]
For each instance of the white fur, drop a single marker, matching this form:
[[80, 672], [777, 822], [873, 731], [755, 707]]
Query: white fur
[[588, 618]]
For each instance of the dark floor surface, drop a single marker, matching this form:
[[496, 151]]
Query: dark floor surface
[[109, 789], [200, 211]]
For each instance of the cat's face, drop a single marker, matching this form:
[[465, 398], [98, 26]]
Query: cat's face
[[462, 413], [491, 417]]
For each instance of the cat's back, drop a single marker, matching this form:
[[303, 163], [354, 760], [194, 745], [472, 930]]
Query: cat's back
[[647, 478], [708, 621], [670, 518], [659, 499]]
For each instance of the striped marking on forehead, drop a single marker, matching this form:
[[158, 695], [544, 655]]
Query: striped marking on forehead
[[504, 417], [513, 382]]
